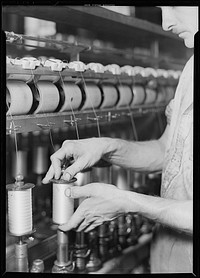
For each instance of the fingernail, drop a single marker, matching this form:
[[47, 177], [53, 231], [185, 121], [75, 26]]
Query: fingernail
[[61, 228], [44, 180], [68, 192], [67, 176]]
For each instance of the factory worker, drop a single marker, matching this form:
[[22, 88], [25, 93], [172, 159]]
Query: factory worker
[[172, 245]]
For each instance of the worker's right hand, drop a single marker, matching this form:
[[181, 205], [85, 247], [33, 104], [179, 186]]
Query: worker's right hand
[[85, 153]]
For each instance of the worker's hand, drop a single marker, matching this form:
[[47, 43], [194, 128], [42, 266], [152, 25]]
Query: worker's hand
[[103, 202], [85, 153]]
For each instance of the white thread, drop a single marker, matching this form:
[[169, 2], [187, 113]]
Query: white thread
[[161, 95], [138, 95], [73, 114], [19, 163], [20, 212], [40, 162], [15, 138], [125, 93], [19, 98], [110, 95], [73, 96], [50, 134], [132, 120], [150, 95], [63, 206], [97, 119], [93, 96], [48, 97]]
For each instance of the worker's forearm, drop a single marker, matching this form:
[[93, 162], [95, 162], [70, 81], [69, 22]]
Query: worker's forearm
[[172, 213], [139, 156]]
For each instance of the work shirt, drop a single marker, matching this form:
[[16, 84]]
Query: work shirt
[[171, 250]]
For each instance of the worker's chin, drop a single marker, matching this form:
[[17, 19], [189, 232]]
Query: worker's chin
[[189, 42]]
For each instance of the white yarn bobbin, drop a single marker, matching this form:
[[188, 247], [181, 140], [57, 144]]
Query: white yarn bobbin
[[138, 95], [83, 178], [40, 159], [125, 95], [20, 207], [48, 97], [63, 206], [19, 163], [73, 96], [93, 96], [18, 97], [121, 179], [110, 95], [161, 94], [151, 95]]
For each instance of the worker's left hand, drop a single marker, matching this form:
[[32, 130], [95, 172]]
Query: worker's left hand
[[103, 202]]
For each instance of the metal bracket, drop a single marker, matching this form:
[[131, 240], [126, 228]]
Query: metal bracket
[[12, 128], [45, 126], [97, 118], [115, 116], [72, 121]]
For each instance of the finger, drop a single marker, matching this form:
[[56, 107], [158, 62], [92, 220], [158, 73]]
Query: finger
[[78, 165], [49, 175], [97, 221], [84, 225], [74, 221], [84, 191], [56, 160], [91, 227]]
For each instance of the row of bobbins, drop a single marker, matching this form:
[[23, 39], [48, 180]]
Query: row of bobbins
[[44, 96], [46, 93]]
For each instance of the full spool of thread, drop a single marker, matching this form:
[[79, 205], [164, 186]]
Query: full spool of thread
[[110, 95], [138, 95], [125, 95], [19, 98], [73, 96], [20, 208], [150, 95], [92, 96], [47, 95], [63, 206]]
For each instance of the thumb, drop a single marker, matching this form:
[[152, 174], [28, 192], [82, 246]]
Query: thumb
[[80, 191]]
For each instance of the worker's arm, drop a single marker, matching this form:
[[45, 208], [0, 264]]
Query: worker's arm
[[104, 202], [140, 156], [146, 156]]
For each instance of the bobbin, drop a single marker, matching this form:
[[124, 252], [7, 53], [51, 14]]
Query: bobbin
[[40, 159], [110, 95], [46, 95], [125, 95], [138, 95], [63, 203], [20, 186], [161, 94], [72, 96], [19, 163], [151, 95], [93, 96], [19, 97]]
